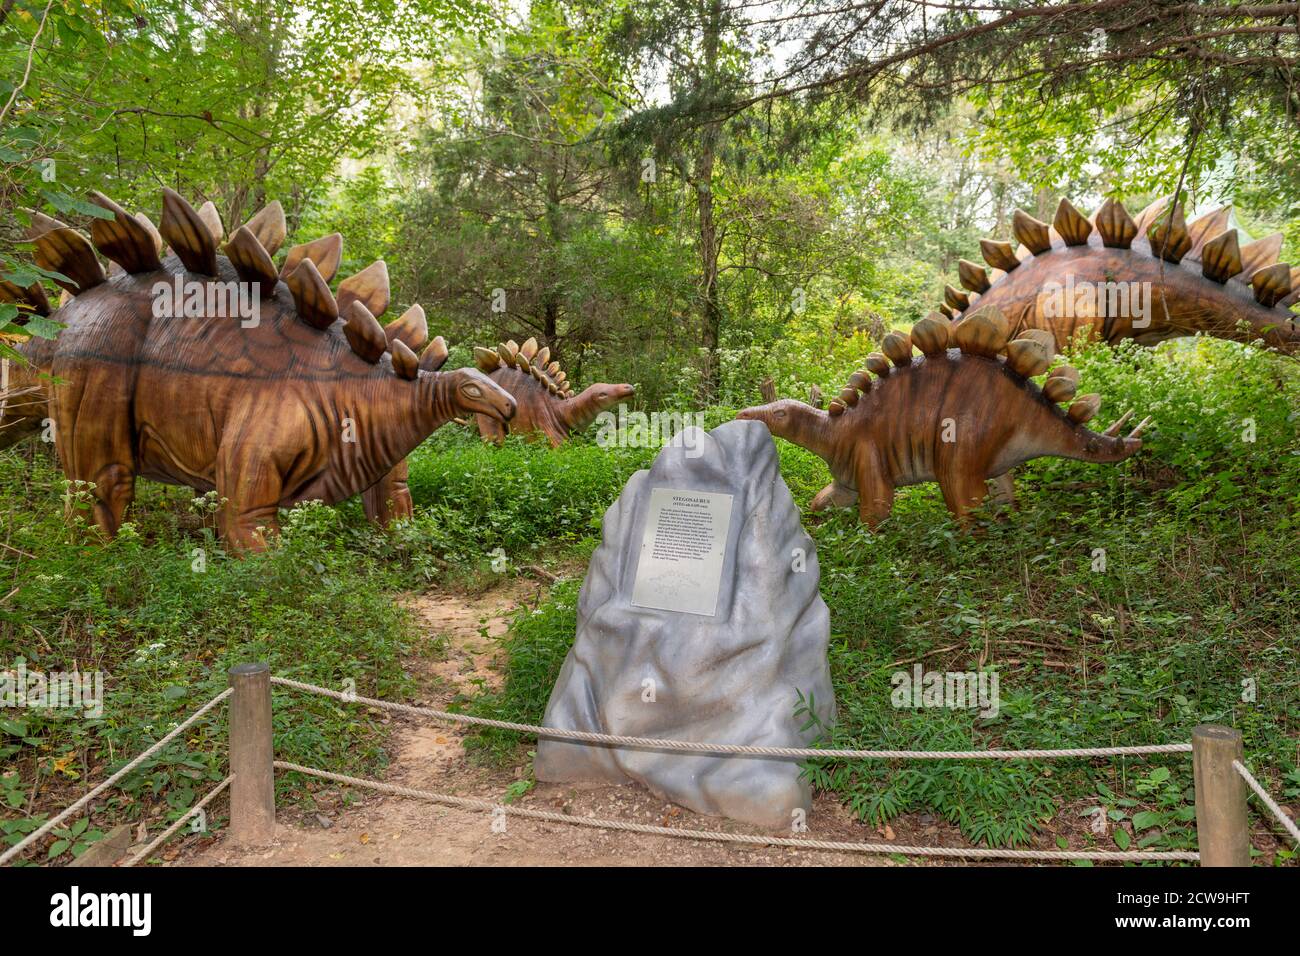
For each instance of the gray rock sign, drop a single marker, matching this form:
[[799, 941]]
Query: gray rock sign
[[700, 620]]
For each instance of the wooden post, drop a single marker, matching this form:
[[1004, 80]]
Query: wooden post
[[767, 390], [815, 397], [1222, 833], [252, 792]]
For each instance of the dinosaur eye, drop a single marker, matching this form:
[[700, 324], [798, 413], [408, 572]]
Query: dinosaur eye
[[779, 413], [472, 390]]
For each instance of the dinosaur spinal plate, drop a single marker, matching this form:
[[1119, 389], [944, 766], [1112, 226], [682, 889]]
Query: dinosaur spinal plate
[[1149, 277]]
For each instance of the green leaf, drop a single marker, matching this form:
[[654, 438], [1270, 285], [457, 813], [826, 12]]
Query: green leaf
[[57, 847], [1122, 839], [1147, 819]]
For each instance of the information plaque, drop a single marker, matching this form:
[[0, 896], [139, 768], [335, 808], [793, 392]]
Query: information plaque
[[682, 551]]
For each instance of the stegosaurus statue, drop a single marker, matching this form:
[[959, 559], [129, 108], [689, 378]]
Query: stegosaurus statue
[[308, 397], [1091, 274], [542, 392], [963, 412]]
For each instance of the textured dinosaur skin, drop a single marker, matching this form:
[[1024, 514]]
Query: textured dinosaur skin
[[292, 405], [958, 416], [547, 407], [1200, 279]]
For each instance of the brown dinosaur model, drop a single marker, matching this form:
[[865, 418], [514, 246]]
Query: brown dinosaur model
[[961, 413], [542, 393], [1150, 278], [277, 404]]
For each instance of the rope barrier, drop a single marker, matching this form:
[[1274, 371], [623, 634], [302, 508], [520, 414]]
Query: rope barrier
[[470, 803], [179, 822], [74, 807], [735, 749], [1287, 823]]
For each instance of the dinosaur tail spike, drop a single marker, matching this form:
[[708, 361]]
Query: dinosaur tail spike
[[188, 235], [212, 219], [877, 364], [123, 239], [1221, 257], [544, 357], [405, 364], [68, 252], [999, 255], [507, 357], [835, 408], [1259, 255], [269, 226], [972, 277], [1117, 228], [529, 348], [1206, 228], [369, 287], [364, 333], [412, 328], [931, 334], [985, 332], [1072, 226], [326, 252], [435, 355], [1271, 284], [1118, 424], [1031, 233], [251, 261], [1169, 237], [486, 359], [311, 296], [849, 396]]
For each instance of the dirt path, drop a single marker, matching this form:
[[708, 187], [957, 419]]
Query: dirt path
[[363, 828]]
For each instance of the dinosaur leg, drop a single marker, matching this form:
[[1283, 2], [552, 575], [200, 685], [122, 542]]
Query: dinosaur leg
[[963, 490], [389, 499], [834, 495], [490, 429], [555, 433], [114, 490], [97, 452], [875, 493], [251, 488], [1004, 490]]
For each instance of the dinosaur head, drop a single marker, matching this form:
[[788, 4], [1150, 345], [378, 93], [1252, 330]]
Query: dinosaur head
[[603, 395], [470, 392], [786, 418]]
